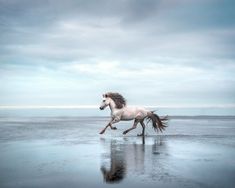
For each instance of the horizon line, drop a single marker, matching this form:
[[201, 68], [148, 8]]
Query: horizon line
[[97, 106]]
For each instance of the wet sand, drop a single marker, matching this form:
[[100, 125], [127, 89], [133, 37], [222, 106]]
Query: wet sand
[[69, 152]]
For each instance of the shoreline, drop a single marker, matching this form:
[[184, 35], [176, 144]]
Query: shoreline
[[104, 117]]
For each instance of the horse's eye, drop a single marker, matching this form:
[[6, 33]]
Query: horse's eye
[[103, 100]]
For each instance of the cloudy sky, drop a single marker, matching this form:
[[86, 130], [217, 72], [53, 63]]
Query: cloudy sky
[[154, 52]]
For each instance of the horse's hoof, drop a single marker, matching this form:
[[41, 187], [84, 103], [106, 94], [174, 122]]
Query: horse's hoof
[[101, 132], [114, 128], [124, 132]]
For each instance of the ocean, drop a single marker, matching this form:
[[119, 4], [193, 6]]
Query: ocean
[[66, 150]]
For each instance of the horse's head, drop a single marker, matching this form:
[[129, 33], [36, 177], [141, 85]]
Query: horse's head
[[106, 101]]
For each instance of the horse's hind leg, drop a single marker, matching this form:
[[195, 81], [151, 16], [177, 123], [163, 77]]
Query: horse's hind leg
[[133, 127], [143, 128]]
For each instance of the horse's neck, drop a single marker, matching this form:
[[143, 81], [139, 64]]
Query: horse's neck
[[112, 107]]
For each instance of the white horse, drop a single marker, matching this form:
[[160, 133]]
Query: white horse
[[120, 112]]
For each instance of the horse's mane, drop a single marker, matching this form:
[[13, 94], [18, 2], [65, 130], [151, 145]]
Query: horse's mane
[[118, 99]]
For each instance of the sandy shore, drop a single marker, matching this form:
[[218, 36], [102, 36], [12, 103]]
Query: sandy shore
[[69, 152]]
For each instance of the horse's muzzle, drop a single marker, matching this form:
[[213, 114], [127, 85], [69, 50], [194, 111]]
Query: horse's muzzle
[[101, 108]]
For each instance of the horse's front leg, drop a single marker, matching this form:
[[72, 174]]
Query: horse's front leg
[[112, 127], [133, 127], [115, 120], [103, 130]]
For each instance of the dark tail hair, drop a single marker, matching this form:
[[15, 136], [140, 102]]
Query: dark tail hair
[[159, 124]]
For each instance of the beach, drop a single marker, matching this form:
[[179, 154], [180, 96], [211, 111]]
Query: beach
[[68, 151]]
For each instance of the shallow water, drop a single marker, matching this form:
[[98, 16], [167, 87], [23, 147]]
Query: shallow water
[[69, 152]]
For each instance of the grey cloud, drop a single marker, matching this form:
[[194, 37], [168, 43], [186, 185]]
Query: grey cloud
[[185, 13], [182, 32]]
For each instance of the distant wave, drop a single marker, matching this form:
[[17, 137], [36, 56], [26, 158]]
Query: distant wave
[[48, 107], [202, 117], [96, 106]]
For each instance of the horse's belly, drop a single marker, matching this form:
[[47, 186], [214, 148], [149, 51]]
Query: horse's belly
[[128, 116]]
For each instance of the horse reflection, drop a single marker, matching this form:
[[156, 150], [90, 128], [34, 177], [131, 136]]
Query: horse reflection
[[117, 169], [127, 156]]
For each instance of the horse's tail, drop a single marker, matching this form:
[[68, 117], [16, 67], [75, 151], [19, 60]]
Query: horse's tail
[[157, 122]]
